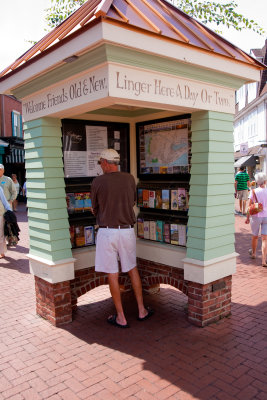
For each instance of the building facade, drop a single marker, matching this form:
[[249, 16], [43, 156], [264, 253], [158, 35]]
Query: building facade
[[11, 135], [250, 123]]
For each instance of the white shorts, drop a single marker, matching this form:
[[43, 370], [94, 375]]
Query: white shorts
[[114, 244]]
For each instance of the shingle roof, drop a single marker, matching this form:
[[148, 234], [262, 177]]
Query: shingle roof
[[154, 16]]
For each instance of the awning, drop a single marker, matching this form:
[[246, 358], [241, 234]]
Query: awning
[[16, 156], [4, 144], [247, 161]]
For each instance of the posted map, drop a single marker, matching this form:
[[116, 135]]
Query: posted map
[[164, 147], [167, 148]]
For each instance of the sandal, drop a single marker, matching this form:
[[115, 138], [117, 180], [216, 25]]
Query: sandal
[[113, 321], [150, 312]]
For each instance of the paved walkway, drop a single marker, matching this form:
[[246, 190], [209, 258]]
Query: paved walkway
[[162, 358]]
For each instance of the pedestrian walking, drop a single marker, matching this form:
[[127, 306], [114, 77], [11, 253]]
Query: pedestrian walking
[[4, 206], [259, 221], [7, 185], [113, 198], [241, 188], [18, 187]]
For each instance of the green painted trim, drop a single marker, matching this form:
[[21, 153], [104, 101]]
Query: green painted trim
[[214, 190], [51, 256], [199, 169], [45, 163], [211, 243], [217, 157], [211, 254], [52, 235], [43, 152], [45, 173], [197, 232], [48, 225], [111, 53], [124, 113], [43, 123], [202, 201], [42, 142], [49, 204], [213, 222], [211, 179], [211, 211], [47, 214], [48, 183], [56, 193]]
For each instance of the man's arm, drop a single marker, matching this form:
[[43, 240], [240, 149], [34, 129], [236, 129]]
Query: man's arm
[[94, 208], [235, 185]]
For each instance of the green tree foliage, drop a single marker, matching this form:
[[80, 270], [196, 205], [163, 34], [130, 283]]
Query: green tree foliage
[[205, 11]]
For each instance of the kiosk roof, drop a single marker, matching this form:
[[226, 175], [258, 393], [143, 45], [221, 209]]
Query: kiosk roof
[[154, 17]]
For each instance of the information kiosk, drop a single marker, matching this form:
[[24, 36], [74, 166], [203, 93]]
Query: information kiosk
[[143, 78]]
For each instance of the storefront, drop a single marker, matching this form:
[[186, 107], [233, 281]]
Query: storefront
[[158, 87]]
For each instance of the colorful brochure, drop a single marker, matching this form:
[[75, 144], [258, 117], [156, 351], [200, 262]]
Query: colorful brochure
[[152, 230], [140, 228], [159, 231], [165, 199], [174, 234], [146, 230]]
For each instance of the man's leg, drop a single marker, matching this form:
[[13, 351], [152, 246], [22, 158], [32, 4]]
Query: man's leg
[[240, 203], [264, 248], [137, 287], [113, 280]]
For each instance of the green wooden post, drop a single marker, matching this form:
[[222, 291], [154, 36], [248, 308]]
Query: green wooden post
[[46, 199], [211, 205], [50, 255]]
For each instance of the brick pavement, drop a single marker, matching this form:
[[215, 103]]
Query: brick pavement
[[162, 358]]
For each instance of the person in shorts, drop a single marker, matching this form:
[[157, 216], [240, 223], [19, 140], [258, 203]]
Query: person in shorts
[[242, 184], [113, 197], [259, 221]]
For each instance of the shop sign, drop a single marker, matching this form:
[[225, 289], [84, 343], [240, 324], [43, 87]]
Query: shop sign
[[128, 83], [165, 89], [80, 90], [244, 149]]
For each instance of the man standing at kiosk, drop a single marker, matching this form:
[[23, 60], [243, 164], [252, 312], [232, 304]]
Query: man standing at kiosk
[[113, 197]]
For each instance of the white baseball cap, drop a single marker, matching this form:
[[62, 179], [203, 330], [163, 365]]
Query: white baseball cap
[[110, 155], [1, 166]]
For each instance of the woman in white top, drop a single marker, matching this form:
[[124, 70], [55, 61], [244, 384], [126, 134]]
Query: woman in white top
[[4, 206], [17, 186], [259, 221]]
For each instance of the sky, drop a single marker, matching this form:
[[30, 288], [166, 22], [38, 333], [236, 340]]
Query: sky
[[24, 20]]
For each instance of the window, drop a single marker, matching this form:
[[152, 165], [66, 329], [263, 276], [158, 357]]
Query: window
[[241, 97], [252, 91], [16, 124]]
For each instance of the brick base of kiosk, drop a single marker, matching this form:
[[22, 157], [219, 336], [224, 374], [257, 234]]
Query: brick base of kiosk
[[206, 303]]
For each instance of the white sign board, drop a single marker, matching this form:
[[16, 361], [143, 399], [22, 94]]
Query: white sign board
[[128, 83], [137, 84], [88, 87]]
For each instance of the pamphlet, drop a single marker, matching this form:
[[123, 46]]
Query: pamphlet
[[174, 234], [165, 199], [159, 231], [146, 230]]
